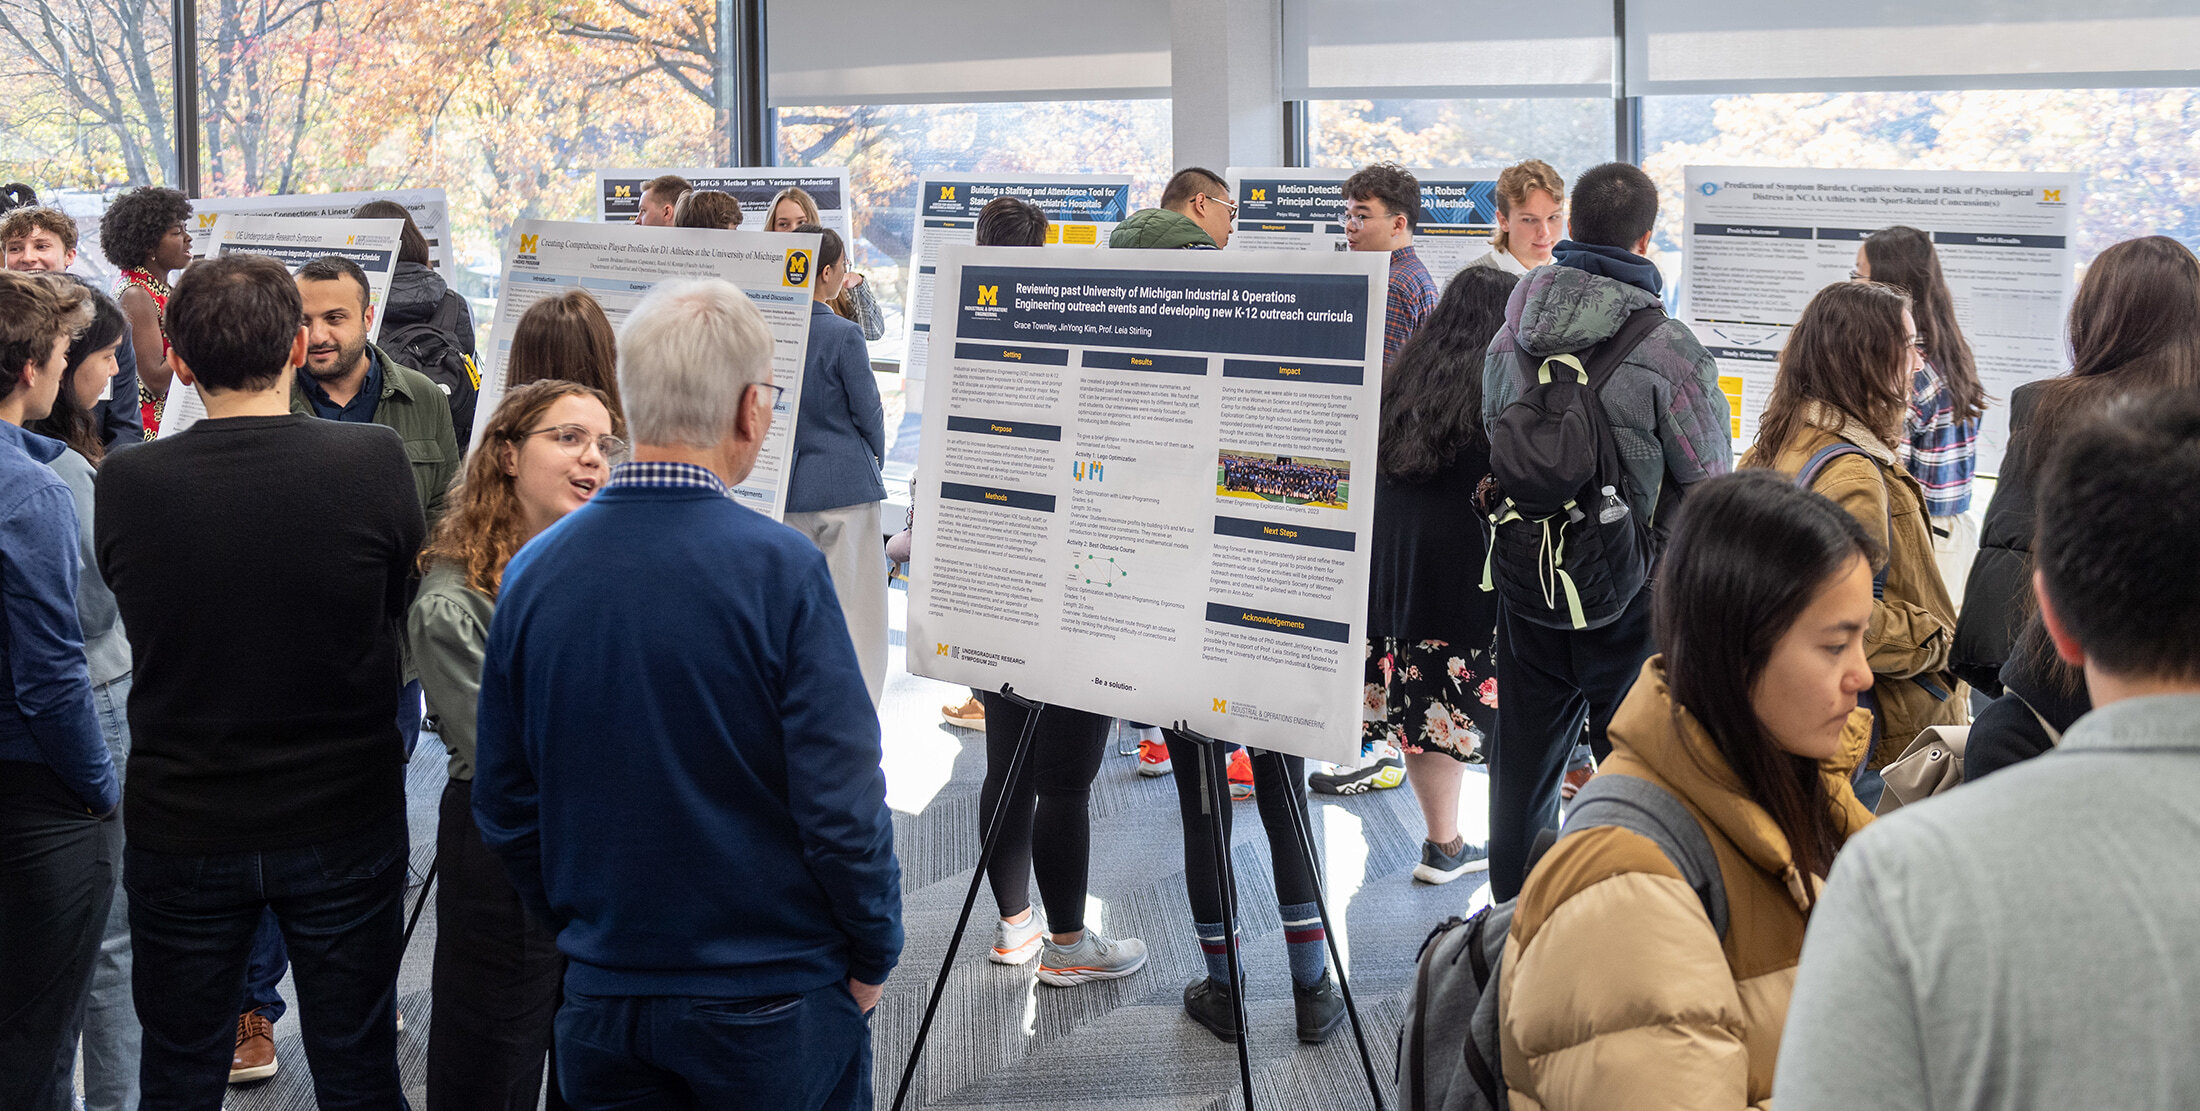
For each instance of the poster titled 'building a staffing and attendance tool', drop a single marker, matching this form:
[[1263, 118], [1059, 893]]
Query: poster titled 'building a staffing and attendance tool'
[[1303, 210], [1758, 243], [619, 264], [295, 241], [1147, 486], [1081, 209]]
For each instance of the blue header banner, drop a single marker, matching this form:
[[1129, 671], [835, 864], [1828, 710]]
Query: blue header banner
[[1299, 316], [1068, 201]]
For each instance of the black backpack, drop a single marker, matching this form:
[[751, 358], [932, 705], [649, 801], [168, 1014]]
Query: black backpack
[[432, 347], [1566, 548], [1448, 1050]]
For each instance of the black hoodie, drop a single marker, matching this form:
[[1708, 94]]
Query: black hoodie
[[415, 293], [2008, 731]]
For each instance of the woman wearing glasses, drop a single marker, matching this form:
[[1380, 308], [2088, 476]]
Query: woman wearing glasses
[[834, 492], [1835, 418], [498, 975]]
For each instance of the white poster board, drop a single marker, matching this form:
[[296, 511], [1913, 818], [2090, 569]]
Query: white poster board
[[431, 213], [1300, 209], [1082, 211], [294, 242], [619, 192], [619, 264], [1758, 243], [1147, 486]]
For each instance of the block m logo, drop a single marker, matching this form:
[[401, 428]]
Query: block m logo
[[622, 191], [939, 649], [947, 192], [206, 219], [1222, 705], [1260, 195], [2052, 196], [527, 244], [989, 295]]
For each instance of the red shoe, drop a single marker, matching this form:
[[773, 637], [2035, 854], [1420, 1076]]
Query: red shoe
[[1241, 776], [1153, 758], [1576, 779]]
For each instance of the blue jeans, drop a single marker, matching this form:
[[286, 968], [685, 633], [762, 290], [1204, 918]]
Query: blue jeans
[[340, 905], [804, 1052], [110, 1019]]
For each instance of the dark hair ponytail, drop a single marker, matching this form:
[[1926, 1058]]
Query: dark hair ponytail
[[1432, 396], [71, 423], [1749, 553]]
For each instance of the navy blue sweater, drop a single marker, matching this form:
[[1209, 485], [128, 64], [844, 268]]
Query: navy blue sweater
[[677, 757]]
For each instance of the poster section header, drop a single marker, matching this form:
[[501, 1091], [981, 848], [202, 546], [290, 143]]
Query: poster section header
[[1444, 202], [619, 191], [1079, 202], [1320, 316]]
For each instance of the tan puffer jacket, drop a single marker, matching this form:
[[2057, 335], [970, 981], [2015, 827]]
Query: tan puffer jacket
[[1615, 990], [1914, 626]]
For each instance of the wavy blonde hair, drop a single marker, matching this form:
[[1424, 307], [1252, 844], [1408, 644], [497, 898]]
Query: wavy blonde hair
[[1514, 183], [481, 530]]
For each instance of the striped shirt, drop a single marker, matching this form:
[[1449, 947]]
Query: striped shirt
[[1412, 296], [661, 474], [1938, 450]]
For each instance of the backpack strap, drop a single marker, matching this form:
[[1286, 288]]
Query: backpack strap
[[1604, 361], [1808, 478], [1640, 806]]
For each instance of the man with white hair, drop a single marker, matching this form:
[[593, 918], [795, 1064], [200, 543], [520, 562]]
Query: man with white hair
[[667, 675]]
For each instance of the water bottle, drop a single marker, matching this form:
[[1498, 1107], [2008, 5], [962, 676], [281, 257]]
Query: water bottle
[[1613, 508]]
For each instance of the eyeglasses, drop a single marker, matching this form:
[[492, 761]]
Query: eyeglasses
[[777, 392], [1362, 219], [1856, 275], [573, 440], [1917, 344], [1226, 204]]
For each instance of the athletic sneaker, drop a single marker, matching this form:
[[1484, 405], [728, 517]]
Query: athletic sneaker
[[1241, 776], [1438, 866], [1380, 774], [1092, 958], [1016, 942], [1153, 758], [969, 715], [1579, 771]]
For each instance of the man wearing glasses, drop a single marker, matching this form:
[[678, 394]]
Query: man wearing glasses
[[1381, 204], [1195, 213]]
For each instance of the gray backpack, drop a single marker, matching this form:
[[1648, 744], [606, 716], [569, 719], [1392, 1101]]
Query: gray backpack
[[1448, 1057]]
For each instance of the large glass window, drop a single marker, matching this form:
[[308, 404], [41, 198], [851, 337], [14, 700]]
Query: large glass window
[[1571, 134], [2138, 149]]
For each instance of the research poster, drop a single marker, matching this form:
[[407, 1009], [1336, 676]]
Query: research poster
[[295, 241], [1147, 486], [1303, 210], [1082, 211], [619, 192], [620, 263], [1758, 243], [431, 213]]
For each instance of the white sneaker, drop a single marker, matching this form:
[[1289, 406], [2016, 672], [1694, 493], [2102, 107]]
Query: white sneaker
[[1093, 958], [1016, 942]]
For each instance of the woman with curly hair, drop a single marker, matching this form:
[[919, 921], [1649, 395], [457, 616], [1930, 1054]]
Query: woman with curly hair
[[143, 234], [497, 976]]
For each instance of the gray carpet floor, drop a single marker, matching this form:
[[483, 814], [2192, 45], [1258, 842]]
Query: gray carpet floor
[[1002, 1040]]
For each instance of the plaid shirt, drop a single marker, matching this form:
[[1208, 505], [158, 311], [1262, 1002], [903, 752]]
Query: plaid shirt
[[1939, 451], [1412, 295], [660, 474]]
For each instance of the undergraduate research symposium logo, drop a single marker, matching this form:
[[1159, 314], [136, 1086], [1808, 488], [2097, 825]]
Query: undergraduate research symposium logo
[[1709, 189], [1222, 705], [798, 267]]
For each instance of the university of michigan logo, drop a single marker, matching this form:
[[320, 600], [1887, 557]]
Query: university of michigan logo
[[2051, 196], [939, 649], [527, 243], [206, 219], [622, 191], [1222, 705], [989, 295], [798, 267], [1259, 195], [947, 192]]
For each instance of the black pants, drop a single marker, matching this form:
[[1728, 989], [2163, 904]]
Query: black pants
[[498, 976], [1273, 774], [1048, 829], [341, 906], [1550, 682], [57, 879]]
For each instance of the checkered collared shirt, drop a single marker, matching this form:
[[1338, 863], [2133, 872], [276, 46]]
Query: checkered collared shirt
[[660, 474], [1412, 296], [1940, 451]]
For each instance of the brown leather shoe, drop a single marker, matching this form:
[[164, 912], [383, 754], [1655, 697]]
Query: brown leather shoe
[[255, 1058]]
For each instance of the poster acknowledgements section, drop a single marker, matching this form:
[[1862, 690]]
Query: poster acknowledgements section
[[1135, 494]]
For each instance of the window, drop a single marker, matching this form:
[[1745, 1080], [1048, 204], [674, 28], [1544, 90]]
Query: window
[[1572, 134], [2137, 148]]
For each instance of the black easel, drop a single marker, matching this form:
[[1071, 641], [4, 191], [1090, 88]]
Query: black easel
[[1214, 798], [1016, 764], [1213, 755]]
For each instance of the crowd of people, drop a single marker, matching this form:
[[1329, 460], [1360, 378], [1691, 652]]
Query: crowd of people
[[220, 646], [1282, 478]]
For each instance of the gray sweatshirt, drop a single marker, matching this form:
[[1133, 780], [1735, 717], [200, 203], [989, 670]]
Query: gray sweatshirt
[[2030, 941], [106, 650]]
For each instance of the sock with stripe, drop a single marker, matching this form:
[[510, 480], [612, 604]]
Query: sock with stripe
[[1211, 947], [1307, 941]]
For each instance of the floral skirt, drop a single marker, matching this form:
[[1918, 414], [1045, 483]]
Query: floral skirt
[[1429, 696]]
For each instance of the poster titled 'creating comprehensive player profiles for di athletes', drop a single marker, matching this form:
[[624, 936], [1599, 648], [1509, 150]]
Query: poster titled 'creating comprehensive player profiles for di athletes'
[[1147, 486], [1759, 243]]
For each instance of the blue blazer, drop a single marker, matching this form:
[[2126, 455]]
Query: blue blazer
[[840, 431]]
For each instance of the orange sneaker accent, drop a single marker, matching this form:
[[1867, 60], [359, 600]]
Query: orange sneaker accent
[[1241, 776]]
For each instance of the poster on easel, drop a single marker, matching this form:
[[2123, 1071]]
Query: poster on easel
[[619, 192], [430, 211], [1147, 486], [1082, 211], [295, 241], [1301, 209], [1758, 243], [619, 264]]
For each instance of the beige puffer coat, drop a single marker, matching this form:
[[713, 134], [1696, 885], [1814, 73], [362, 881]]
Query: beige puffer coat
[[1615, 990]]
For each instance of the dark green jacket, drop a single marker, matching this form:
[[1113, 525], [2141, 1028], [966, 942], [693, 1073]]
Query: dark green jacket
[[1159, 227], [419, 412]]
